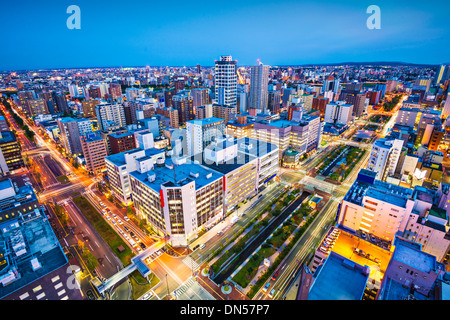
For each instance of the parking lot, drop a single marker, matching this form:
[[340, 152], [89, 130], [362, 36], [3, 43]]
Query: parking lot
[[372, 255]]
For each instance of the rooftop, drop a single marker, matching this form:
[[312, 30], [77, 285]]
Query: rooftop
[[203, 122], [339, 279], [7, 136], [35, 239], [414, 257], [119, 158], [183, 173]]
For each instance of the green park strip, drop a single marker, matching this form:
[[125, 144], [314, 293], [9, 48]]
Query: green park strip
[[296, 237], [273, 209], [248, 272], [105, 230], [63, 179], [330, 157], [271, 245]]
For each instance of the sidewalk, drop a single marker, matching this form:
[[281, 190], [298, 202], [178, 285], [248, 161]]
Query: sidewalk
[[216, 291]]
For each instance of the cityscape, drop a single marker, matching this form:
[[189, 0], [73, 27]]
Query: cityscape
[[225, 181]]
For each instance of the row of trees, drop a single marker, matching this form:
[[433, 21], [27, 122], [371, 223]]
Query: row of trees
[[29, 134]]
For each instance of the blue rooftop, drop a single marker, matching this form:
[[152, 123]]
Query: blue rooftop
[[206, 121], [165, 175], [339, 279]]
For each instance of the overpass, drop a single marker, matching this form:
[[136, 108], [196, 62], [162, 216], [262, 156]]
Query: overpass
[[137, 263]]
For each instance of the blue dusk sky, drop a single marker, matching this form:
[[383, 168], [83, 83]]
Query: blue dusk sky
[[34, 34]]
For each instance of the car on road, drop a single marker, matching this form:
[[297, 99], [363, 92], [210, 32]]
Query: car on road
[[114, 216], [202, 246], [272, 293], [113, 222], [107, 217], [142, 245], [147, 296], [220, 232], [139, 249], [119, 221], [90, 295], [266, 287], [126, 218], [126, 229], [275, 275]]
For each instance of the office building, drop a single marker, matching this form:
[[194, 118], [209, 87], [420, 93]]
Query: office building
[[10, 153], [375, 207], [411, 274], [407, 116], [177, 199], [120, 165], [240, 127], [31, 257]]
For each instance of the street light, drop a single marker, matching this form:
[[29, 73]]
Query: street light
[[167, 283]]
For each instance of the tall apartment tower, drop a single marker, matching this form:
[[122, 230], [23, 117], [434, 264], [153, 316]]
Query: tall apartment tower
[[110, 112], [225, 81], [259, 82]]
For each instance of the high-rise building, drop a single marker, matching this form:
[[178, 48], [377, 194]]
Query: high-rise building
[[446, 109], [36, 107], [115, 90], [258, 98], [110, 112], [320, 103], [223, 111], [200, 96], [338, 112], [225, 81], [201, 133], [384, 157], [61, 102], [274, 101], [94, 151], [88, 107], [184, 104], [70, 130], [331, 84], [10, 153], [121, 142]]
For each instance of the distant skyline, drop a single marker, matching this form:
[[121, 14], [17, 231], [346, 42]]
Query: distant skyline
[[179, 33]]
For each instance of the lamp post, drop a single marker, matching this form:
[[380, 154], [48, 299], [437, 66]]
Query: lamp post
[[167, 283]]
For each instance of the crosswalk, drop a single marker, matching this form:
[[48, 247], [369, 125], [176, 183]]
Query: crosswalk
[[184, 287], [190, 263]]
